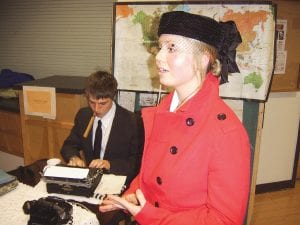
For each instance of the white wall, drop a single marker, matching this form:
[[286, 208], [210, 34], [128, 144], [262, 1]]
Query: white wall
[[279, 137]]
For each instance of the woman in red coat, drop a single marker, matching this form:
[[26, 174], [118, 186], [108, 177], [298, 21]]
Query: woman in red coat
[[196, 163]]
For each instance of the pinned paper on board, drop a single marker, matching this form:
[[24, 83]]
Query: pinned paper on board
[[40, 101], [281, 53]]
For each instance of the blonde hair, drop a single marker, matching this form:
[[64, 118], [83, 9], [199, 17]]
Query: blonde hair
[[214, 66]]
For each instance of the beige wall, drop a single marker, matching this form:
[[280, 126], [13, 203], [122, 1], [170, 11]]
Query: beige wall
[[45, 37]]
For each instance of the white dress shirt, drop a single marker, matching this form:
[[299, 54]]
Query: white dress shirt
[[174, 102], [106, 121]]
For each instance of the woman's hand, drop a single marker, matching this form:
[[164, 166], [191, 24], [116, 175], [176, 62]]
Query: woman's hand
[[133, 203]]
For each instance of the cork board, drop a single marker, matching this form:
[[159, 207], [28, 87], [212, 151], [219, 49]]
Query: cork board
[[290, 80]]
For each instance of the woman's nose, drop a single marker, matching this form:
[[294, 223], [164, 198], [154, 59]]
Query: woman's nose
[[161, 55]]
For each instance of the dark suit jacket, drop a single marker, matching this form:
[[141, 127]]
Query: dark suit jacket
[[124, 147]]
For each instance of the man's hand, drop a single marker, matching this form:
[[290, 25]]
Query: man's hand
[[99, 163], [76, 161]]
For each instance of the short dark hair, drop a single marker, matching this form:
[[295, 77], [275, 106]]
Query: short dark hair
[[101, 84]]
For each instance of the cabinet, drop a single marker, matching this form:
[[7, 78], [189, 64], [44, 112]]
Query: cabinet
[[279, 152], [273, 142], [43, 138]]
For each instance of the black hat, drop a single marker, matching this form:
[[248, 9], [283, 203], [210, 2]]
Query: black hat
[[224, 36]]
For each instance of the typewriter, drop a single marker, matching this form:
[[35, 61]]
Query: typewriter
[[71, 180]]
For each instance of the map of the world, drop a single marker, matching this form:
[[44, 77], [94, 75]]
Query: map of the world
[[135, 45]]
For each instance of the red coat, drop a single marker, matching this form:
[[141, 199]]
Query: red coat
[[196, 163]]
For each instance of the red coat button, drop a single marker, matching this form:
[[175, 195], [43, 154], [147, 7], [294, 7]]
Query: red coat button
[[158, 180], [189, 122], [221, 116], [173, 150]]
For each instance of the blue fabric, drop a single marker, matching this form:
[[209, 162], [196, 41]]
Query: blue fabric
[[9, 78]]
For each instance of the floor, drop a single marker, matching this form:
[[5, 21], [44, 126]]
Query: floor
[[278, 207], [10, 162]]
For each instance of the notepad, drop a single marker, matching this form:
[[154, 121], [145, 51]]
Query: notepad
[[69, 172]]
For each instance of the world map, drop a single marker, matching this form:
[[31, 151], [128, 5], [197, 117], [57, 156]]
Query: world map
[[135, 45]]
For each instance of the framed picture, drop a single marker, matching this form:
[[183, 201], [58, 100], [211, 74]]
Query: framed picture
[[135, 43]]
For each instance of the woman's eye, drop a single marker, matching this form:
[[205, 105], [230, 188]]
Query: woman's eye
[[172, 48], [168, 47]]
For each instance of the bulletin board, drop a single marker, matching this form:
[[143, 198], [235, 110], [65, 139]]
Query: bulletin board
[[289, 80], [135, 43]]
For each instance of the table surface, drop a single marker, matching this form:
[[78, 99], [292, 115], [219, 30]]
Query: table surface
[[62, 84], [31, 175]]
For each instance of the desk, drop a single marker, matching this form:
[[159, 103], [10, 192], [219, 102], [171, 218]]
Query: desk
[[42, 137], [10, 127], [30, 175]]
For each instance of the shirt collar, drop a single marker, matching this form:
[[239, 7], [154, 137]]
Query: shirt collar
[[174, 102]]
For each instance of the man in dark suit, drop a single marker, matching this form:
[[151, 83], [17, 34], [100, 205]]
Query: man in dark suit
[[121, 131]]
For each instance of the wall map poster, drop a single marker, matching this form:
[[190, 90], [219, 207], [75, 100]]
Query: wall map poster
[[135, 44]]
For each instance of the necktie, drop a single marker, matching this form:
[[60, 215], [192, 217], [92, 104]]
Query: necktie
[[98, 141]]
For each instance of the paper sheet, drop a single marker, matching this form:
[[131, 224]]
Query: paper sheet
[[40, 101], [110, 184], [69, 172]]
